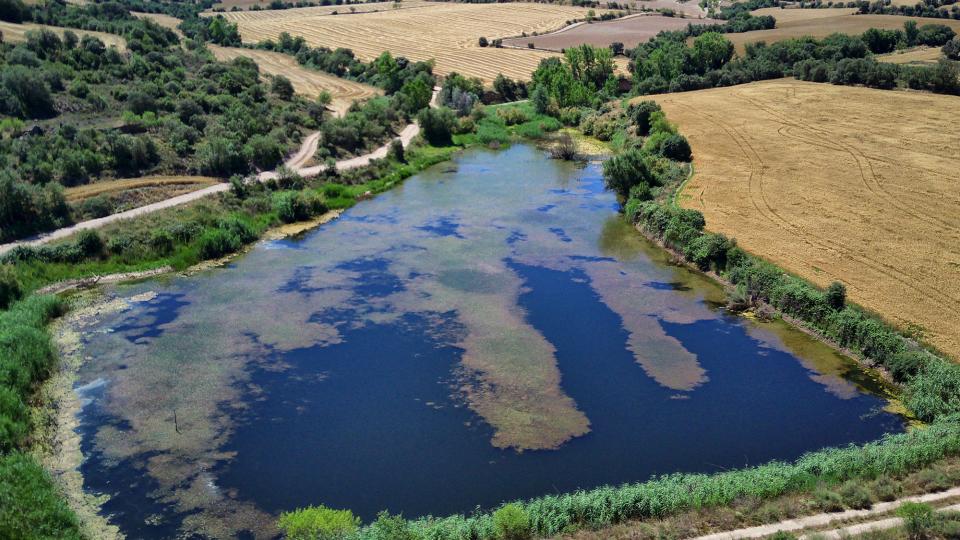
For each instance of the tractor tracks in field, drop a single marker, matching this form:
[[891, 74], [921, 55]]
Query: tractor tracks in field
[[758, 199]]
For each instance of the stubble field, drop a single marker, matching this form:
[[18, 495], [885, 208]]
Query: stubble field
[[820, 23], [630, 31], [307, 82], [16, 33], [448, 33], [837, 183]]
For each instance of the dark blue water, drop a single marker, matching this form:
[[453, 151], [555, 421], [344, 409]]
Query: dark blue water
[[350, 426], [337, 363]]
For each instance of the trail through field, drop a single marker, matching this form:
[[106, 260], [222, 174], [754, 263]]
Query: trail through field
[[307, 148], [307, 82], [821, 521], [836, 184]]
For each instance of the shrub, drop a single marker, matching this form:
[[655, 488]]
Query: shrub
[[952, 49], [837, 295], [512, 116], [639, 114], [96, 207], [295, 206], [396, 151], [934, 391], [855, 495], [318, 523], [511, 522], [828, 501], [933, 480], [216, 243], [626, 170], [89, 244], [437, 125], [483, 41], [10, 288], [918, 518], [886, 489]]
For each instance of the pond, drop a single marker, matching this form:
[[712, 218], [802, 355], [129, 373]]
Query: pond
[[490, 330]]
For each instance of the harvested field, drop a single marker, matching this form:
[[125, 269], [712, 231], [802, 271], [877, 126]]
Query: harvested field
[[789, 15], [16, 33], [115, 187], [837, 183], [307, 82], [630, 30], [447, 33], [920, 56], [824, 26], [687, 9], [323, 10], [163, 20]]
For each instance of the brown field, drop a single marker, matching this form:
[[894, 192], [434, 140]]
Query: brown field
[[305, 81], [823, 26], [446, 32], [920, 56], [837, 183], [115, 187], [630, 31], [16, 33]]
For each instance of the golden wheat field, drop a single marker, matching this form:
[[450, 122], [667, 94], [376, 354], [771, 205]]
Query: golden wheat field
[[920, 56], [446, 32], [837, 183], [315, 10], [794, 23], [307, 82], [163, 20], [16, 33]]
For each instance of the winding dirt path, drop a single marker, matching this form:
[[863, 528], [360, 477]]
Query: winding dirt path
[[826, 519], [295, 163]]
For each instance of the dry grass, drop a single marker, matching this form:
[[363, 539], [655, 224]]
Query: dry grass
[[837, 183], [446, 32], [920, 56], [305, 81], [115, 187], [792, 15], [16, 33], [817, 23]]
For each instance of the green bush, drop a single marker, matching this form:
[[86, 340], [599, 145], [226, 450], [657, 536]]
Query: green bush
[[511, 522], [318, 523], [855, 495], [918, 519], [30, 507], [14, 419], [934, 391], [437, 125], [294, 206], [933, 480], [216, 243], [886, 489], [827, 500], [512, 116], [10, 288]]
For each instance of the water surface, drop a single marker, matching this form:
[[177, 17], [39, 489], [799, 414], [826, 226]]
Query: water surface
[[485, 332]]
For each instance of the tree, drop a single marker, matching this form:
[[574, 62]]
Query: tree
[[640, 115], [396, 151], [910, 32], [483, 41], [14, 11], [952, 49], [837, 295], [282, 87], [624, 171], [414, 95], [711, 51], [437, 125], [29, 95], [616, 48]]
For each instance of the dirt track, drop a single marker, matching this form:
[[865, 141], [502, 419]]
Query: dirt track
[[307, 149]]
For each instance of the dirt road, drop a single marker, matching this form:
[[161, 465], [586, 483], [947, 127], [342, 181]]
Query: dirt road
[[295, 163]]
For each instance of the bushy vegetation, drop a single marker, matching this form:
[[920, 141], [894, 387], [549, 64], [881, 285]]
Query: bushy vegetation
[[318, 523], [584, 77], [668, 64]]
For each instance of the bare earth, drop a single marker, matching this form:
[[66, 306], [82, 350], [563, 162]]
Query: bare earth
[[307, 82], [689, 8], [837, 183], [630, 31], [16, 33], [816, 23], [446, 32]]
